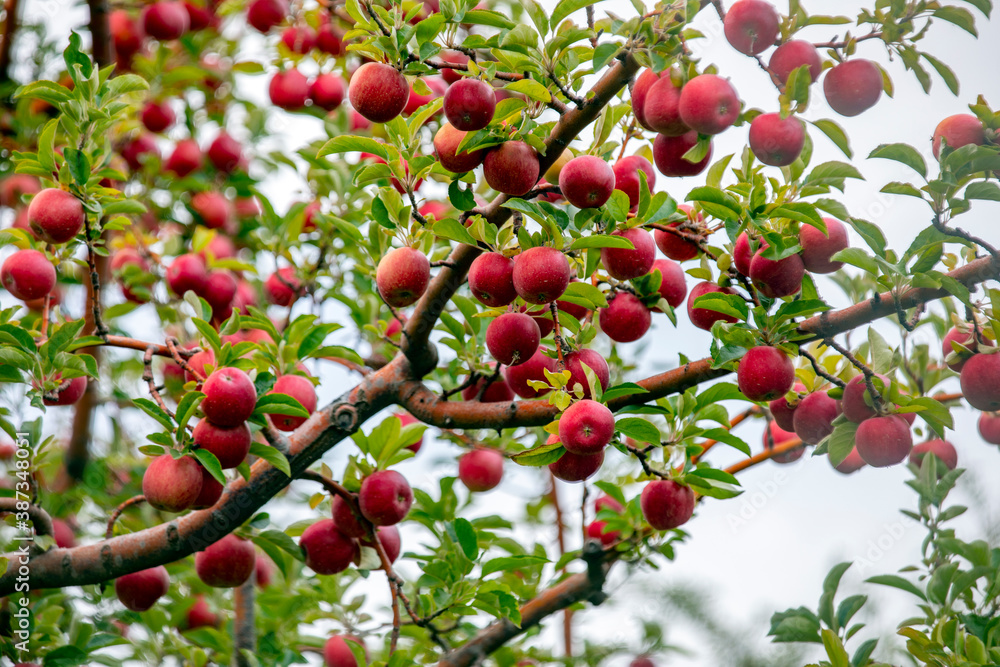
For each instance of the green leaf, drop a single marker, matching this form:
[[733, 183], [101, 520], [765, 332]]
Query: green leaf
[[121, 85], [463, 200], [727, 304], [835, 649], [488, 17], [63, 337], [836, 134], [211, 463], [625, 389], [452, 229], [467, 539], [541, 455], [272, 456], [944, 72], [880, 351], [507, 563], [279, 404], [960, 16], [79, 165], [601, 241], [898, 188], [154, 411], [566, 7], [903, 153], [857, 257], [638, 429], [896, 581], [840, 443], [350, 144], [531, 89], [986, 190], [864, 653]]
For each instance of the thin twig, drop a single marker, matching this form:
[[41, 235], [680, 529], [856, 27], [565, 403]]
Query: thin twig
[[819, 370], [877, 401], [100, 329], [147, 377], [134, 500]]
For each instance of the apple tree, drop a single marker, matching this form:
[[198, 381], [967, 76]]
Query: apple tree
[[475, 250]]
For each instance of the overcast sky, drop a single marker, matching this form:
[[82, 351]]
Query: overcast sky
[[769, 549]]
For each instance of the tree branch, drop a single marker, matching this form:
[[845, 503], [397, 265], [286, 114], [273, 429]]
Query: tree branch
[[576, 588], [12, 9], [40, 519], [244, 629]]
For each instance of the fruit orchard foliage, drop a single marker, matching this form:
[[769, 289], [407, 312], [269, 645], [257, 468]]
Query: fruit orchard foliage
[[135, 187]]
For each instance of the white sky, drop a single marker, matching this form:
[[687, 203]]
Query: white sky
[[807, 517]]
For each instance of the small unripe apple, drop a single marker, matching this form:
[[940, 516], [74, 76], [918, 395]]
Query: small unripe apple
[[751, 26], [187, 272], [497, 391], [511, 168], [327, 91], [336, 652], [227, 563], [385, 498], [157, 116], [818, 248], [68, 392], [55, 215], [627, 180], [765, 373], [673, 285], [792, 55], [165, 20], [640, 92], [676, 247], [230, 445], [668, 154], [704, 318], [282, 287], [980, 381], [776, 141], [327, 550], [586, 427], [666, 504], [575, 467], [883, 441], [783, 412], [491, 279], [378, 92], [541, 274], [774, 436], [301, 389], [402, 276], [853, 402], [446, 143], [512, 338], [776, 278], [289, 90], [347, 521], [481, 469], [266, 14], [172, 485], [964, 338], [388, 536], [299, 38], [813, 417], [853, 87], [956, 131], [225, 153], [200, 615], [469, 104], [185, 159], [851, 464], [517, 377], [989, 427], [140, 590], [211, 491], [230, 397], [625, 319], [587, 181], [575, 363], [28, 274], [709, 104], [624, 263], [942, 449], [212, 209], [661, 109]]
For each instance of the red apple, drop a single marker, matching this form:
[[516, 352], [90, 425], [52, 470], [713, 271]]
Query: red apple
[[28, 274], [776, 278], [157, 116], [185, 159], [575, 363], [491, 279], [55, 215], [225, 153], [541, 274], [818, 248], [575, 467], [942, 449], [402, 276], [776, 141], [289, 89], [668, 154], [266, 14], [378, 92], [283, 287], [229, 444], [327, 550], [883, 441], [301, 389], [702, 317], [751, 26], [956, 131], [446, 143], [813, 417], [165, 20], [853, 86], [587, 181], [661, 109], [980, 381], [765, 373], [327, 91], [517, 377], [385, 498], [299, 38], [230, 397], [667, 504], [624, 263], [586, 427], [481, 469], [625, 319], [172, 485], [512, 338], [709, 104], [140, 590], [227, 563], [963, 337], [469, 104], [511, 168], [673, 285], [792, 55]]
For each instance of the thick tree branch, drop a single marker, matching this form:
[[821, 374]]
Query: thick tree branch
[[576, 588], [10, 25], [244, 628], [40, 519]]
